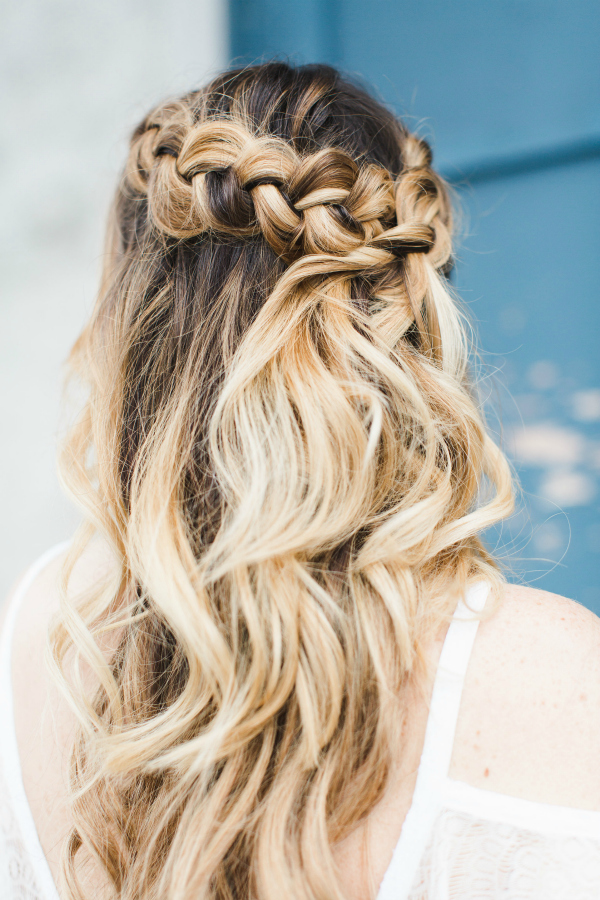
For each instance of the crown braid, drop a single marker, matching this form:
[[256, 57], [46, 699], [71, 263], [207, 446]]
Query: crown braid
[[217, 175]]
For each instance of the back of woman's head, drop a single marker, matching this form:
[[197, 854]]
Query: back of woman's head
[[283, 448]]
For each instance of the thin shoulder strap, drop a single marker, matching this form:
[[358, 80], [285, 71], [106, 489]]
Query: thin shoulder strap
[[449, 682], [6, 640], [9, 750], [437, 748]]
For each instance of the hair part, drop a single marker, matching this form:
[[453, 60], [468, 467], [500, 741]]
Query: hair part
[[284, 450]]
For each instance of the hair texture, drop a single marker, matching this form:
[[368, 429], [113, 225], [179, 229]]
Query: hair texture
[[283, 447]]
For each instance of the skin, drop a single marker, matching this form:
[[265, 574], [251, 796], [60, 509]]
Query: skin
[[529, 723]]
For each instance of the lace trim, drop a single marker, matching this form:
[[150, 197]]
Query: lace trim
[[17, 875], [545, 817], [471, 858]]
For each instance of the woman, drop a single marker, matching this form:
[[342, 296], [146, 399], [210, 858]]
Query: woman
[[264, 627]]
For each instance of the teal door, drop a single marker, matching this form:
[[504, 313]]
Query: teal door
[[509, 91]]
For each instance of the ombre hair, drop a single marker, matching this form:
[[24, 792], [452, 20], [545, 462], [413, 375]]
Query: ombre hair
[[283, 446]]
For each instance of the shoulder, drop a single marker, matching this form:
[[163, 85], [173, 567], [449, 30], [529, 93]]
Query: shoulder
[[37, 595], [547, 644], [530, 718], [44, 723], [38, 600], [558, 616], [36, 589], [541, 632], [35, 582]]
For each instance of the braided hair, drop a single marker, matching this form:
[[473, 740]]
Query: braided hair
[[284, 449]]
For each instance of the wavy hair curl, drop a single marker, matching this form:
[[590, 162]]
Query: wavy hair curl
[[283, 447]]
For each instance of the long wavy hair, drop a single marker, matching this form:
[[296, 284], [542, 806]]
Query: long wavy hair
[[283, 447]]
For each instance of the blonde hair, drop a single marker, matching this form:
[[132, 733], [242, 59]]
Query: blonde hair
[[283, 447]]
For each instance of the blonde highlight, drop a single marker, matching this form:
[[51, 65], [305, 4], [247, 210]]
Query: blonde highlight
[[283, 447]]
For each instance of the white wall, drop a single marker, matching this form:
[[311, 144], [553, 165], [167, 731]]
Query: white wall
[[76, 76]]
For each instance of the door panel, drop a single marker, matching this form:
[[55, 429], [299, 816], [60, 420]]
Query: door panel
[[508, 91]]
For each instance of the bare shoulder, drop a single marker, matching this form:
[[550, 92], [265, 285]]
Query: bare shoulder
[[559, 617], [530, 718], [42, 594], [549, 642], [44, 723], [37, 606], [545, 633]]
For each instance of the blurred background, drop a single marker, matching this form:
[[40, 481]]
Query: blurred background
[[508, 92]]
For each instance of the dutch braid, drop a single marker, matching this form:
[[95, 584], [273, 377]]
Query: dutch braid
[[217, 175]]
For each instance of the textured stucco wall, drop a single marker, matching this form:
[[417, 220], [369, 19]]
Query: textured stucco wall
[[75, 77]]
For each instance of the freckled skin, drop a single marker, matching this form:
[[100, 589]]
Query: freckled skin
[[534, 702]]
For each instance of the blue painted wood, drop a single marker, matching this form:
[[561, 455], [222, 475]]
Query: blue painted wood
[[508, 91], [528, 275], [300, 31], [507, 165], [487, 79]]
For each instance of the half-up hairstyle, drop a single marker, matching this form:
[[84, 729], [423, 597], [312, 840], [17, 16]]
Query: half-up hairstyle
[[284, 450]]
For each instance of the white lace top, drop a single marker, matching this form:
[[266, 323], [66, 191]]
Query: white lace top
[[458, 842]]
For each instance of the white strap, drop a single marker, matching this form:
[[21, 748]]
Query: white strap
[[9, 749], [449, 681], [437, 748]]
